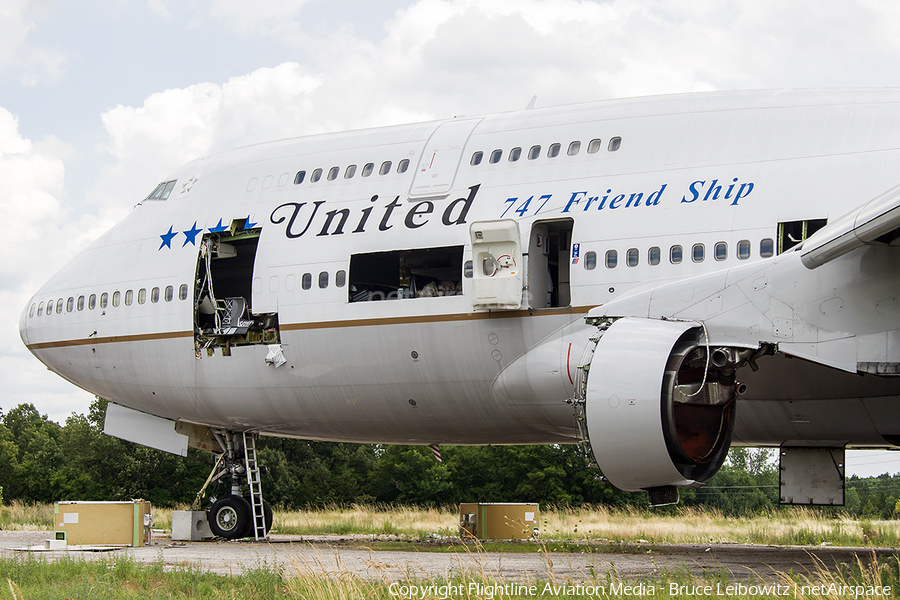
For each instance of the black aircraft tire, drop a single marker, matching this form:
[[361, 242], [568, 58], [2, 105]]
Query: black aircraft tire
[[267, 514], [230, 517], [267, 519]]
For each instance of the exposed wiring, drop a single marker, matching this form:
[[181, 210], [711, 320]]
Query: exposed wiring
[[706, 370]]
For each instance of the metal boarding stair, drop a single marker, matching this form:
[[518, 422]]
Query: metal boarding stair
[[257, 512]]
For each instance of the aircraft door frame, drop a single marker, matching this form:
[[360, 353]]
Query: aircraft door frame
[[548, 264]]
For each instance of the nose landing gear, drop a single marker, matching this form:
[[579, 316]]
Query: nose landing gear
[[239, 514]]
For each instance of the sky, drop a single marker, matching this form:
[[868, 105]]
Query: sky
[[101, 99]]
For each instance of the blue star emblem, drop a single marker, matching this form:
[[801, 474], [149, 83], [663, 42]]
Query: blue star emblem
[[191, 235], [167, 239], [248, 224], [218, 228]]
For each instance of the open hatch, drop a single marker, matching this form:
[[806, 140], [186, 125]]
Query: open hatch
[[223, 317]]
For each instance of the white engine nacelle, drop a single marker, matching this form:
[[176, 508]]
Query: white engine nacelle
[[659, 415]]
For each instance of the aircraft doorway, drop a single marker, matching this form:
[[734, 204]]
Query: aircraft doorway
[[548, 264], [222, 313]]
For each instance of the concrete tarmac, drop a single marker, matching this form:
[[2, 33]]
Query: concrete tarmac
[[351, 555]]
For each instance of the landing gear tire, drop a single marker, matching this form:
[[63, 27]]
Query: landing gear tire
[[230, 517], [267, 516], [267, 519]]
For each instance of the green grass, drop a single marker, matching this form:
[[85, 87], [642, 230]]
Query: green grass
[[27, 577], [594, 524]]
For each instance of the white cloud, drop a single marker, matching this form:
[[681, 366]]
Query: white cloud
[[179, 125], [37, 239], [257, 16], [159, 7], [31, 64]]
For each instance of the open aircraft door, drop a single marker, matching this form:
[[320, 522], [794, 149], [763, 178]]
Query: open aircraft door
[[496, 264]]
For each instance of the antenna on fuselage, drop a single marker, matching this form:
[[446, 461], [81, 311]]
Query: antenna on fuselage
[[531, 102]]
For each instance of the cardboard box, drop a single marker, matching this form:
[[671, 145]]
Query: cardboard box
[[103, 523], [499, 521]]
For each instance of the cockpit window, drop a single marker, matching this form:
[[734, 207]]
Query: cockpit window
[[162, 191]]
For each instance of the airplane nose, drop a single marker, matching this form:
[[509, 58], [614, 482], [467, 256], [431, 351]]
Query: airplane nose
[[23, 321]]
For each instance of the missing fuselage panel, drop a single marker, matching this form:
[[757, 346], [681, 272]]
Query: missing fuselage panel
[[222, 313]]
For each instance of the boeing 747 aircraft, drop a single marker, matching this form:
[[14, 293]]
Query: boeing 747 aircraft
[[658, 277]]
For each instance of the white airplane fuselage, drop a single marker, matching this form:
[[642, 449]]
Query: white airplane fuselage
[[711, 174]]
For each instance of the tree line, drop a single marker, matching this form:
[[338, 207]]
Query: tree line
[[42, 461]]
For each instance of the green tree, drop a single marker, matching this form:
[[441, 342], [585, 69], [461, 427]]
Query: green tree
[[746, 483]]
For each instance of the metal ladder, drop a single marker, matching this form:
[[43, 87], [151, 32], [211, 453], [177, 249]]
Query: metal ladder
[[257, 512]]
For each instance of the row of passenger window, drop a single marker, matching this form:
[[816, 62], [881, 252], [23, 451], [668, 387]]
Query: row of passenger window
[[92, 301], [676, 254], [515, 154], [340, 280], [553, 151], [350, 172]]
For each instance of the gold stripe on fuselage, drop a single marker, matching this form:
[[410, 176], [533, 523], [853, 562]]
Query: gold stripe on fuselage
[[324, 325]]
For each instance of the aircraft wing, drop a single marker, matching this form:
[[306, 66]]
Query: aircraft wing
[[875, 221]]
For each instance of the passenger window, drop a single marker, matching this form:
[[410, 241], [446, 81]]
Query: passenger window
[[40, 311], [154, 295], [612, 259], [59, 305], [368, 169], [467, 269], [129, 297], [298, 178], [743, 249], [117, 297], [721, 251], [632, 257], [31, 311], [574, 148], [767, 247], [104, 300], [80, 305], [92, 302], [496, 155], [170, 293], [653, 255], [333, 173], [698, 253], [590, 260], [340, 278], [675, 254], [614, 144], [183, 292], [316, 176], [70, 304], [323, 280], [534, 152], [515, 154], [403, 166], [350, 172], [385, 168], [553, 151], [476, 158], [594, 146], [306, 281], [142, 296]]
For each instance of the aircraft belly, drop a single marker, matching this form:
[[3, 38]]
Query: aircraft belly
[[412, 383], [796, 401]]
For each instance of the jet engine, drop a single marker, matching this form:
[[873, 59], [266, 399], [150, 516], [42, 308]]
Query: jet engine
[[657, 404]]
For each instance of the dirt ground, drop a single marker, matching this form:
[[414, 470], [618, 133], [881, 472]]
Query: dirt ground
[[342, 555]]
